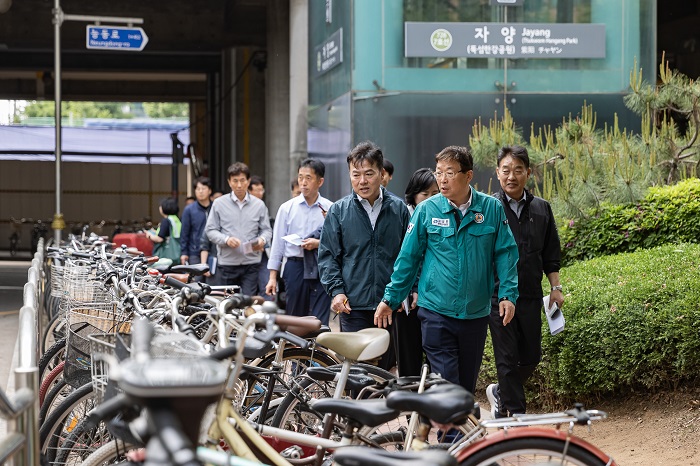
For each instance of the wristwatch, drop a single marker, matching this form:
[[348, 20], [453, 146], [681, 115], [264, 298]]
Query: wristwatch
[[386, 301], [505, 298], [557, 288]]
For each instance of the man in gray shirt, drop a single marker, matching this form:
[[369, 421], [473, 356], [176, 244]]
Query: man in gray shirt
[[239, 225]]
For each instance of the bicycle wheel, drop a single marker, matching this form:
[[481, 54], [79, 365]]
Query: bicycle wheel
[[532, 450], [82, 442], [294, 412], [51, 358], [293, 363], [62, 420], [110, 453], [55, 330], [53, 398], [50, 380]]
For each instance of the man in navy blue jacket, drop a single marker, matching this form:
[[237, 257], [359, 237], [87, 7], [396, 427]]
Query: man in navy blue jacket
[[361, 237], [194, 218]]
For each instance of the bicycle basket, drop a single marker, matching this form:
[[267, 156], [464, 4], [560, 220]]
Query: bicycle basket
[[116, 344], [83, 321], [57, 280]]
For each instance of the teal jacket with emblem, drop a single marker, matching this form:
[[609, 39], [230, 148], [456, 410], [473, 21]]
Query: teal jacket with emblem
[[457, 277]]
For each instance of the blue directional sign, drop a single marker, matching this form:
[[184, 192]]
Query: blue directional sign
[[116, 38]]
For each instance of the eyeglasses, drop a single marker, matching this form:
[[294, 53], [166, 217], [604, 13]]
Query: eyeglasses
[[450, 175], [516, 172]]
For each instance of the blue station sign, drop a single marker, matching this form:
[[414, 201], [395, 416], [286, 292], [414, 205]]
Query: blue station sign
[[116, 38]]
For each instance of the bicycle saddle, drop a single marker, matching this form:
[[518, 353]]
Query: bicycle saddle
[[369, 343], [196, 269], [445, 403], [303, 331], [369, 413]]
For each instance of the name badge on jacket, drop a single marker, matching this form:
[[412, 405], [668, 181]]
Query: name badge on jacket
[[441, 222]]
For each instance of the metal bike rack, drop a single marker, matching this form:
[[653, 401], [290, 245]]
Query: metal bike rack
[[21, 444]]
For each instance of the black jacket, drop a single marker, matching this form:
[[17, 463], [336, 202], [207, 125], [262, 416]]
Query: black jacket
[[355, 260], [538, 243]]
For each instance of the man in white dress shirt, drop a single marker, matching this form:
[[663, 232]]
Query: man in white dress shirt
[[303, 217]]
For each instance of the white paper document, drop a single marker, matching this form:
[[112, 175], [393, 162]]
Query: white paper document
[[555, 317], [407, 304], [247, 248], [293, 239]]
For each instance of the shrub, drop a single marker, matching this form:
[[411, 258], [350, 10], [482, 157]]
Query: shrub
[[632, 323], [667, 214]]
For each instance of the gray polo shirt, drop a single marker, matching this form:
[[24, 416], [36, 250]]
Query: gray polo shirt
[[246, 220]]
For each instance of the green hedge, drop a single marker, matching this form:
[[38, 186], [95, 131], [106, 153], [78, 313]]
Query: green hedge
[[632, 324], [668, 214]]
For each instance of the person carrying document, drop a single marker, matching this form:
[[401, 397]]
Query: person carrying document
[[296, 238], [517, 346]]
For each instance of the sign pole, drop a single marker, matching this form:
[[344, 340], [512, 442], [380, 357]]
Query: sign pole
[[58, 223], [138, 43]]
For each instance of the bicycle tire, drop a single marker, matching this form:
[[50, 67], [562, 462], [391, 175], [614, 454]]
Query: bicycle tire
[[292, 400], [51, 358], [82, 442], [54, 331], [538, 450], [49, 380], [60, 389], [290, 356], [109, 453], [65, 418]]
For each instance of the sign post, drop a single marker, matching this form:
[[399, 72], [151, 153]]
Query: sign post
[[129, 38]]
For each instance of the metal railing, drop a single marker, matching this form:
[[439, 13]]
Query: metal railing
[[21, 444]]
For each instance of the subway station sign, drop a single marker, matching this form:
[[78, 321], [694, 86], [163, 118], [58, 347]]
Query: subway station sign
[[505, 40], [329, 54]]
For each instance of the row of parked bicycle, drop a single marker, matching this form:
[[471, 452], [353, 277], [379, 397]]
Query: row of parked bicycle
[[142, 367]]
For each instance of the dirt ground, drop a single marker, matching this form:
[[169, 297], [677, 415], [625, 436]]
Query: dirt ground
[[662, 428]]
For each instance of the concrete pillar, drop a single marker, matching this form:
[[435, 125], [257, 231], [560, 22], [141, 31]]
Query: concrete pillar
[[228, 110], [277, 105], [298, 81]]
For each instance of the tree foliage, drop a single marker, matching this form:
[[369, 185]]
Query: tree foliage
[[166, 109], [81, 110], [666, 214], [78, 109], [579, 166]]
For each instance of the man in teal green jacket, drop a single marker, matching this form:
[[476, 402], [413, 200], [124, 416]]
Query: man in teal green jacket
[[462, 237]]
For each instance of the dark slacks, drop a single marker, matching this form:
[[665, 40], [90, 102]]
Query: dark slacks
[[305, 296], [245, 276], [454, 347], [409, 342], [517, 348]]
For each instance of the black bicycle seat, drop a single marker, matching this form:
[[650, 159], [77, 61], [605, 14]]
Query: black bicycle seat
[[196, 269], [444, 403]]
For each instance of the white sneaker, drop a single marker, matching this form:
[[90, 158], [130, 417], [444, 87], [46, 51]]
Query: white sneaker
[[495, 400]]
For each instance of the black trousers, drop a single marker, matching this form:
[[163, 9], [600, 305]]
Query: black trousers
[[518, 349], [409, 342], [246, 276]]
